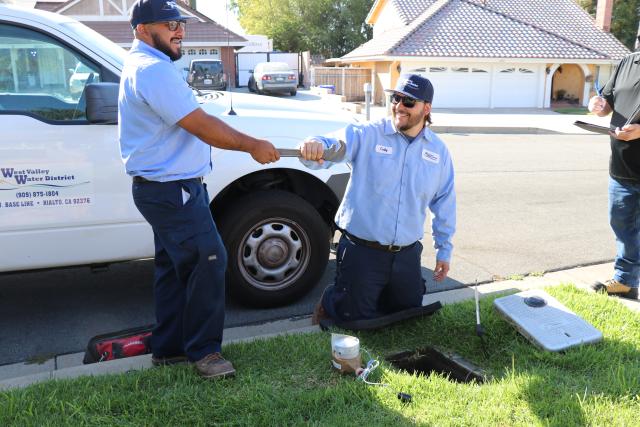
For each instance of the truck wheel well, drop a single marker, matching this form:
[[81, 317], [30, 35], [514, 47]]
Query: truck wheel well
[[304, 185]]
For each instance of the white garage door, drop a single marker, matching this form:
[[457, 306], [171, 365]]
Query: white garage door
[[515, 86], [482, 86], [459, 86]]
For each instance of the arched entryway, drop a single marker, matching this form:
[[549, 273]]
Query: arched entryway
[[568, 85]]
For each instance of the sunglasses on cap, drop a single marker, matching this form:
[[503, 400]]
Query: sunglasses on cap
[[405, 100]]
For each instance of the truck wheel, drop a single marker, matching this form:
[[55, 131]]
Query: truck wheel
[[277, 246]]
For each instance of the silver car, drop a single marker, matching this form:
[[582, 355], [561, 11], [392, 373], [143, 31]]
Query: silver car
[[273, 77]]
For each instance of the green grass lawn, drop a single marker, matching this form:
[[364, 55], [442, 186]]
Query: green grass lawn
[[288, 381], [572, 110]]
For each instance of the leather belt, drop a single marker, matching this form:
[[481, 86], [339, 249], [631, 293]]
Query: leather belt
[[140, 179], [375, 245]]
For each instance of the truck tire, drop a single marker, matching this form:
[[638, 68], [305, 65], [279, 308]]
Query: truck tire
[[277, 247]]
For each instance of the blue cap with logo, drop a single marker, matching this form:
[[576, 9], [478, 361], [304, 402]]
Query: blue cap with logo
[[147, 11], [414, 86]]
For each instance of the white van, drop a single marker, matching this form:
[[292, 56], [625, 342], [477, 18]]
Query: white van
[[66, 200]]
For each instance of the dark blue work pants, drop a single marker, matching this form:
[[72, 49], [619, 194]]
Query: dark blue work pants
[[371, 282], [190, 263]]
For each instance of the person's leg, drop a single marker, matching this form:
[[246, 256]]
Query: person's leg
[[157, 206], [168, 293], [406, 285], [361, 275], [188, 235], [624, 217]]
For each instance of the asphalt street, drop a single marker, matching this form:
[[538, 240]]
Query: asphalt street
[[526, 204]]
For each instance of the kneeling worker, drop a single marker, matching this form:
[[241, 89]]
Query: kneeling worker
[[399, 169]]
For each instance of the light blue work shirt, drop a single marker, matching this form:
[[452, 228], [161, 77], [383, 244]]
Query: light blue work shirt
[[393, 182], [153, 98]]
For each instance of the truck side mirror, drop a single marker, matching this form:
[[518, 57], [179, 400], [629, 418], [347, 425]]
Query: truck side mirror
[[102, 103]]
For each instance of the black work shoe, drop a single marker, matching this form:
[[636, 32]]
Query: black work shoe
[[214, 366], [171, 360], [613, 287]]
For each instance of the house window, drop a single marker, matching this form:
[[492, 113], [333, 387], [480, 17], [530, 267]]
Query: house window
[[202, 52], [479, 70], [508, 70], [191, 51], [525, 70], [460, 69], [213, 52], [437, 69]]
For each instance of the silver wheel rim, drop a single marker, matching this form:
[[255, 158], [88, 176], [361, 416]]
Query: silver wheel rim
[[273, 254]]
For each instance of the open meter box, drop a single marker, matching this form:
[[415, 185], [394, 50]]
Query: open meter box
[[544, 321]]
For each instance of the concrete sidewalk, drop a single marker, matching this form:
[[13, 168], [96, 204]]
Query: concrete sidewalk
[[501, 120], [70, 365]]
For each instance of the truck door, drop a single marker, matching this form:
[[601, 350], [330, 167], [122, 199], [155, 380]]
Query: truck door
[[64, 196]]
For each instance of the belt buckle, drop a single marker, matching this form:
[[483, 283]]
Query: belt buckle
[[394, 248]]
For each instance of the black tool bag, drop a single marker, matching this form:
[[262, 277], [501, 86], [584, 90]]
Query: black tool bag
[[118, 345]]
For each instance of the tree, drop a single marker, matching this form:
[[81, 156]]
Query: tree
[[327, 27], [624, 19]]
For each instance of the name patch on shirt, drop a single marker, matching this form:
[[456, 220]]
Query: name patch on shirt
[[383, 149], [430, 156]]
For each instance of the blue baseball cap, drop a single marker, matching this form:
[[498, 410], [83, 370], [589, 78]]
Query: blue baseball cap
[[148, 11], [414, 86]]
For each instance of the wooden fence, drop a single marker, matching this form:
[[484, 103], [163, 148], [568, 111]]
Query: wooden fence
[[348, 82]]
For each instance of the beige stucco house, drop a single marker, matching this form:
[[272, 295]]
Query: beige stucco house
[[491, 53]]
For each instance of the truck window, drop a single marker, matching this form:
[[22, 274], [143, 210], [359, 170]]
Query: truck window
[[41, 77]]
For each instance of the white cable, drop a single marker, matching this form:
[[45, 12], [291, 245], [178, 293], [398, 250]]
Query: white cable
[[372, 365]]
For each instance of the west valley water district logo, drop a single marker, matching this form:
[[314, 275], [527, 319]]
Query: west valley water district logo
[[12, 179]]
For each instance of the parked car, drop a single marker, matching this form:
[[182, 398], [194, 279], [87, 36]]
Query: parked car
[[207, 74], [273, 77], [65, 198]]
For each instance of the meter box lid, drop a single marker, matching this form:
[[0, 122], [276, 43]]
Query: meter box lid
[[544, 321]]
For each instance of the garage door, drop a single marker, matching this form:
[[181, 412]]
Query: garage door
[[515, 86], [483, 86], [459, 86]]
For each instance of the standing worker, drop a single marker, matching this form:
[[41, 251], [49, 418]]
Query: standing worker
[[163, 136], [621, 95], [399, 169]]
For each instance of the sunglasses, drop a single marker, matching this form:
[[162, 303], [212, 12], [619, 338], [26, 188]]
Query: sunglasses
[[405, 100], [173, 25]]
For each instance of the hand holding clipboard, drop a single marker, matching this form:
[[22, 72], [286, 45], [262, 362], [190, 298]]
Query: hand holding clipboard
[[627, 132]]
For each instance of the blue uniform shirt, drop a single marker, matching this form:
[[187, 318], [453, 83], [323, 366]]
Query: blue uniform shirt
[[392, 184], [153, 98]]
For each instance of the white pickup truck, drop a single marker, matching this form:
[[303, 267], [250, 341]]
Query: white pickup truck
[[65, 198]]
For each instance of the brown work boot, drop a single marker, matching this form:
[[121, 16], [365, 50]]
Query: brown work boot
[[171, 360], [613, 287], [213, 365], [319, 313]]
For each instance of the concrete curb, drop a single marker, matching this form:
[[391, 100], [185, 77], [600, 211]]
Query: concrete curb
[[497, 130], [582, 277]]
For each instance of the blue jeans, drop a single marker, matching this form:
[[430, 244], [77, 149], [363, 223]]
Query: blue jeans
[[624, 217], [371, 283], [190, 264]]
